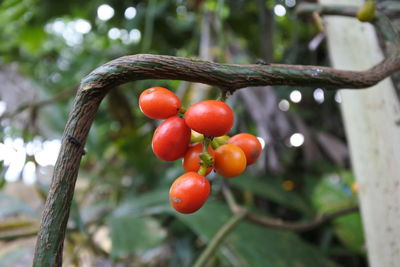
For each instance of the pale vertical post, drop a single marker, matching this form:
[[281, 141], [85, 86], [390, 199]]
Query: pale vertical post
[[372, 122]]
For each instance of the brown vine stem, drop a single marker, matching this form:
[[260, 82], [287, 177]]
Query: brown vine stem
[[97, 84], [280, 224]]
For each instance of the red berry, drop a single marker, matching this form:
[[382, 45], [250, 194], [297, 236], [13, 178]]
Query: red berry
[[171, 139], [159, 103], [191, 160], [210, 117], [249, 144], [189, 192], [230, 160]]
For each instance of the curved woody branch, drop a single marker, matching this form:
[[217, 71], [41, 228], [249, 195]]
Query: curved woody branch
[[138, 67], [281, 224]]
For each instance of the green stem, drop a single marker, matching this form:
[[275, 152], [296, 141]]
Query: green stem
[[224, 95], [206, 159], [203, 170], [197, 139], [206, 142], [218, 238], [182, 111]]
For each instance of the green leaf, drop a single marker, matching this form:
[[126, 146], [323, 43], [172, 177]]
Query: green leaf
[[252, 245], [131, 234], [333, 192], [148, 203], [350, 231], [271, 189]]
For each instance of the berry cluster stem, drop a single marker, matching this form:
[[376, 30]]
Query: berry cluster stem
[[206, 159], [182, 111], [224, 95]]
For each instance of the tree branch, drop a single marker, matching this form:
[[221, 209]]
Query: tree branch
[[280, 224], [232, 76], [96, 85], [309, 8]]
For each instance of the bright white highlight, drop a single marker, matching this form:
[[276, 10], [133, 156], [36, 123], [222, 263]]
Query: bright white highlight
[[290, 3], [284, 105], [71, 30], [296, 139], [319, 95], [279, 10], [14, 152], [3, 107], [338, 97], [48, 155], [295, 96], [262, 142], [130, 12], [82, 26], [134, 35], [58, 26], [29, 173], [105, 12], [114, 33], [14, 159]]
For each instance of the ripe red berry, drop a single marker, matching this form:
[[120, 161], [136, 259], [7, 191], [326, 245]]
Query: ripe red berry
[[191, 160], [230, 160], [189, 192], [210, 117], [171, 139], [249, 144], [159, 103]]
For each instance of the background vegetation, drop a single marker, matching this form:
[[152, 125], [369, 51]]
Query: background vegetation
[[121, 213]]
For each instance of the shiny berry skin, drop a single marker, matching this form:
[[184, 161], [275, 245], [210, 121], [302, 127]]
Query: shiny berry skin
[[210, 117], [159, 103], [229, 161], [249, 144], [191, 160], [189, 192], [171, 139]]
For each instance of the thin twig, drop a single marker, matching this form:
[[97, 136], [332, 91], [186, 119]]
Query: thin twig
[[219, 237], [299, 226], [58, 97], [280, 224]]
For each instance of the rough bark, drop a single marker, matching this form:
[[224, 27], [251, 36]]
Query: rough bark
[[233, 76]]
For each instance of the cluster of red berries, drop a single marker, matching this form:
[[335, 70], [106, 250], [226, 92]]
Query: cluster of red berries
[[198, 135]]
